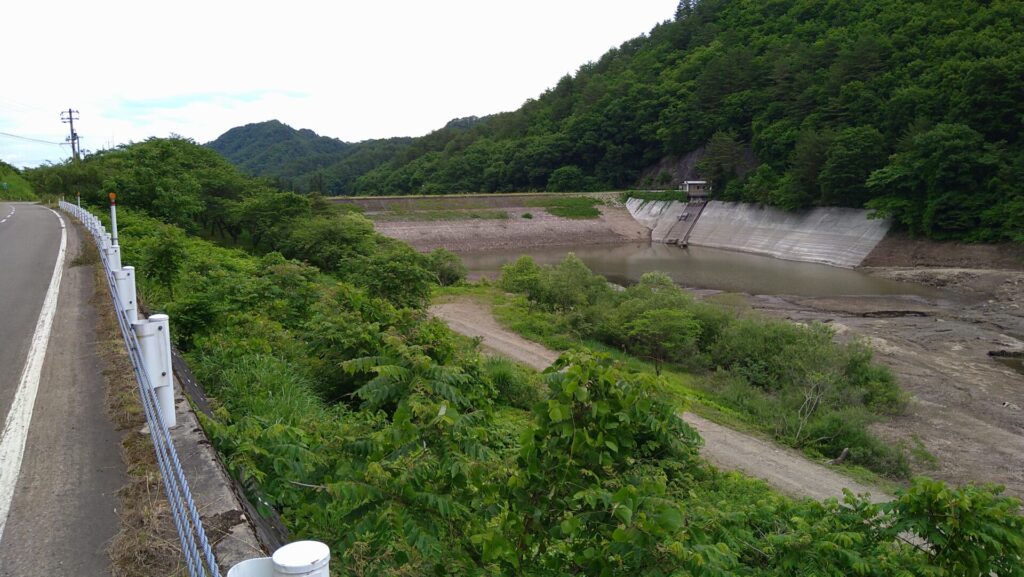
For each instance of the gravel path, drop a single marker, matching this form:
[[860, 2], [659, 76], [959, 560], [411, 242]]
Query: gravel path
[[785, 469]]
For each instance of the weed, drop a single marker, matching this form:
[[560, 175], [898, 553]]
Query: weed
[[922, 455], [569, 206], [434, 215]]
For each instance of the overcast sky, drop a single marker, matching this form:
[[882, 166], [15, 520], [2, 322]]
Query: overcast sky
[[348, 69]]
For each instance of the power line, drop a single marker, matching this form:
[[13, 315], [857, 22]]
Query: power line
[[30, 139]]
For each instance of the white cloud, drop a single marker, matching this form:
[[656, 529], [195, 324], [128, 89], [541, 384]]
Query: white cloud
[[352, 70]]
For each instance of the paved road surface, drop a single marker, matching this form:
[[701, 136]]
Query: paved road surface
[[61, 498], [783, 468]]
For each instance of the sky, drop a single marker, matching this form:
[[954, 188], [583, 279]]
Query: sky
[[352, 70]]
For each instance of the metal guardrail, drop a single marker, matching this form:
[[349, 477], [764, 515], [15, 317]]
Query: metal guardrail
[[199, 557], [149, 346]]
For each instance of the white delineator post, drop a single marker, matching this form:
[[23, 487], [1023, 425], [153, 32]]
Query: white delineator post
[[155, 345], [113, 218], [114, 251], [124, 280]]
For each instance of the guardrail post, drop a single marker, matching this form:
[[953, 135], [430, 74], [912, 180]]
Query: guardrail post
[[124, 280], [114, 258], [155, 343], [299, 559]]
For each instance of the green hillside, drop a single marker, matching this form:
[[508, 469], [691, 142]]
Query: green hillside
[[367, 424], [910, 107], [302, 160], [12, 185], [275, 149]]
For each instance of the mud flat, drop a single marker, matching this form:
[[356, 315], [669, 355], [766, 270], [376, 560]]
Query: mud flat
[[966, 408], [540, 228]]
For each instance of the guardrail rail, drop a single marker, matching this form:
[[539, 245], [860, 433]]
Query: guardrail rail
[[149, 347]]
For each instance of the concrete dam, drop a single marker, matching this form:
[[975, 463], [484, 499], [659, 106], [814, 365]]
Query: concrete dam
[[835, 236]]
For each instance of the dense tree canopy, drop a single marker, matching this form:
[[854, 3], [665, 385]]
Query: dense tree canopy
[[819, 94]]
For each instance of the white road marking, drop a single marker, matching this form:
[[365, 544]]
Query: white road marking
[[15, 433]]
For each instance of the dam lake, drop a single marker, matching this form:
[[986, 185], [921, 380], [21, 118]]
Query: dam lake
[[706, 268]]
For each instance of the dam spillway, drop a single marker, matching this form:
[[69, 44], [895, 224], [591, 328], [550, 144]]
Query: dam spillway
[[829, 235]]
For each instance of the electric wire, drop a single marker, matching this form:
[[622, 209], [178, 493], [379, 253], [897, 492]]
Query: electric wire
[[30, 139]]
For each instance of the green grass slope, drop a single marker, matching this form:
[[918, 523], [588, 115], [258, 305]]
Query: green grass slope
[[13, 186]]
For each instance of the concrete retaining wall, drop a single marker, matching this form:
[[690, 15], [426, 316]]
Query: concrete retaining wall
[[835, 236]]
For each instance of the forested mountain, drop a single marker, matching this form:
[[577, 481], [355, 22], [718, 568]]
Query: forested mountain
[[275, 149], [302, 160], [910, 107]]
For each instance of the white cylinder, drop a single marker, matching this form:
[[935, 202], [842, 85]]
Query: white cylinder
[[124, 280], [113, 223], [114, 258], [259, 567], [155, 345], [302, 559]]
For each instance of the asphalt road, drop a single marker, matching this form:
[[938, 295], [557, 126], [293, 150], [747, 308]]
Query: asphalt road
[[61, 511]]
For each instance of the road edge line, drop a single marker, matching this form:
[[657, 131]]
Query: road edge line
[[15, 432]]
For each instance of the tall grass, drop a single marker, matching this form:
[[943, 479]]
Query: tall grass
[[17, 188]]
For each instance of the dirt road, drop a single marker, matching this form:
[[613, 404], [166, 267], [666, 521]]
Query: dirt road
[[784, 469]]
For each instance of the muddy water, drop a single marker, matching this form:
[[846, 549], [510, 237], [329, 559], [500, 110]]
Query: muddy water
[[706, 268], [1016, 364]]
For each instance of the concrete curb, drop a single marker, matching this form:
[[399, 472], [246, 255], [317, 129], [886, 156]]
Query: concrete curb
[[228, 528]]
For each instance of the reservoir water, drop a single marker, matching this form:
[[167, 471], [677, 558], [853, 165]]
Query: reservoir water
[[706, 268]]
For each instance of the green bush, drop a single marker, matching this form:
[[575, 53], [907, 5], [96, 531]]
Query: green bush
[[515, 385], [569, 206], [446, 266]]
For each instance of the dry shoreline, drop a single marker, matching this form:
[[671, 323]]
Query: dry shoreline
[[525, 227], [966, 410]]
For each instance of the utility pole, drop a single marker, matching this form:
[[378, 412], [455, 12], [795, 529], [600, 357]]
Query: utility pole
[[69, 117]]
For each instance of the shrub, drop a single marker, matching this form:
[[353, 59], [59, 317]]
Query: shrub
[[446, 266], [515, 385]]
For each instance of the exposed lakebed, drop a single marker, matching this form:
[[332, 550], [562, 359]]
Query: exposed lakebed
[[934, 331]]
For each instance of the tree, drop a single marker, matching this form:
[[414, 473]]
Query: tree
[[662, 335], [566, 179], [941, 183], [722, 157], [969, 530], [265, 214], [583, 499], [852, 156], [163, 256]]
